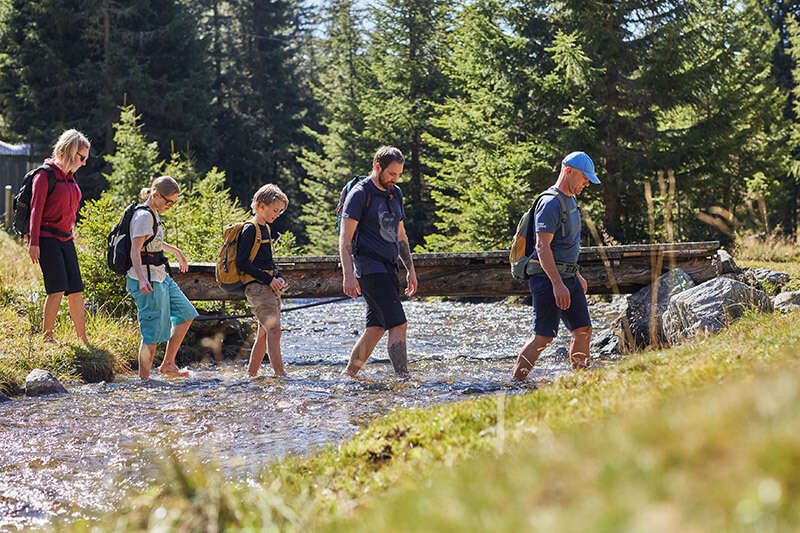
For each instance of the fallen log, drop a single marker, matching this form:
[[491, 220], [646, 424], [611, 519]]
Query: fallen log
[[607, 269]]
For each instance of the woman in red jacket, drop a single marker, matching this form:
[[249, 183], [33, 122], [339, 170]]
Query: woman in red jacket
[[51, 241]]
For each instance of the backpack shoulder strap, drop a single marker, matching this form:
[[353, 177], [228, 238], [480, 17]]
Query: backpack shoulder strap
[[256, 242], [155, 223], [51, 177], [563, 220]]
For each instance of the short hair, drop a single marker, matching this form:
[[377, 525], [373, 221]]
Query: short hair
[[268, 194], [163, 185], [68, 144], [386, 155]]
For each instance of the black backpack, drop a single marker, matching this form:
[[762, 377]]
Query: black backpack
[[343, 195], [22, 201], [118, 253]]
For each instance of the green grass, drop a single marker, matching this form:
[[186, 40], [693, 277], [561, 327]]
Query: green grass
[[114, 341], [619, 447]]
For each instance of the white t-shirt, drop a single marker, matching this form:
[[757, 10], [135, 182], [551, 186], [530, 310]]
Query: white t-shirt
[[142, 225]]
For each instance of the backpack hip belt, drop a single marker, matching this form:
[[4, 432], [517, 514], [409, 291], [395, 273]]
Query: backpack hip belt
[[54, 231], [535, 267]]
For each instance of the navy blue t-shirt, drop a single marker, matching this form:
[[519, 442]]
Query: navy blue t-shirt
[[547, 218], [375, 244], [262, 261]]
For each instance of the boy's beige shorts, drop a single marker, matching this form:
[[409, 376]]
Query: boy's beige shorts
[[264, 303]]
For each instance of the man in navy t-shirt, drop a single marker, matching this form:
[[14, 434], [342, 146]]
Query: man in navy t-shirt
[[371, 239], [557, 288]]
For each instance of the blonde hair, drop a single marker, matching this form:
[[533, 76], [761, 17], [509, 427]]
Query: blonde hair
[[163, 185], [68, 144], [267, 194]]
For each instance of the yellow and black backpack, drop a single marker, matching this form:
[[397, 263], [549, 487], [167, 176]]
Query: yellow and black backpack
[[226, 272]]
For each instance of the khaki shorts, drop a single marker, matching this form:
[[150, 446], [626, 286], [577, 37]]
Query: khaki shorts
[[264, 303]]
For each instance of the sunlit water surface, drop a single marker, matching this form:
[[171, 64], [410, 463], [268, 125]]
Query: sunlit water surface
[[76, 455]]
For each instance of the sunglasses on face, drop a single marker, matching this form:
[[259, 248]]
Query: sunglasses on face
[[82, 157], [167, 201]]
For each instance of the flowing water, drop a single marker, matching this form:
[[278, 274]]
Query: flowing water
[[75, 455]]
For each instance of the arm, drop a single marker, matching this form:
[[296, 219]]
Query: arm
[[182, 264], [38, 199], [545, 255], [349, 282], [136, 259], [405, 257]]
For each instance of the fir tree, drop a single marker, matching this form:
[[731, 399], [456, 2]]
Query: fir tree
[[343, 152]]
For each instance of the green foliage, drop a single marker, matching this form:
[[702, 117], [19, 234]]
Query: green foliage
[[494, 160], [405, 82], [135, 161], [341, 150], [195, 224], [101, 286]]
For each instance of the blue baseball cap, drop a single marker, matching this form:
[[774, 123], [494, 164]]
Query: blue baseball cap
[[582, 162]]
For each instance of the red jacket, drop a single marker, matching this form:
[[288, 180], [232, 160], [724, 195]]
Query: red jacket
[[59, 209]]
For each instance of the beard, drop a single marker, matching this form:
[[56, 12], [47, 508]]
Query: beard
[[383, 183]]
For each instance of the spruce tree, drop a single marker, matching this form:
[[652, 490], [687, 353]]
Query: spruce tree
[[342, 149], [494, 155], [407, 45]]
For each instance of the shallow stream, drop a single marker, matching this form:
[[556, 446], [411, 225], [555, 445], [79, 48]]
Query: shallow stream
[[76, 455]]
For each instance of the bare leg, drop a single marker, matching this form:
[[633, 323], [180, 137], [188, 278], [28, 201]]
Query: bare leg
[[529, 354], [274, 349], [168, 366], [362, 350], [397, 349], [77, 313], [51, 305], [258, 351], [146, 354], [579, 348]]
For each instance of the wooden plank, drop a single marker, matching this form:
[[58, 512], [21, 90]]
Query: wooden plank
[[475, 273]]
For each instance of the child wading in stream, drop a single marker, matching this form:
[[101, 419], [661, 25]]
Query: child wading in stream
[[165, 313], [263, 282]]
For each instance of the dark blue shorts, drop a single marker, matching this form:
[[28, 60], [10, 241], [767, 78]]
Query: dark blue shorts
[[545, 313], [382, 293]]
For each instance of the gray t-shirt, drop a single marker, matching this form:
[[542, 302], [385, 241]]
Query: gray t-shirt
[[142, 225], [547, 217]]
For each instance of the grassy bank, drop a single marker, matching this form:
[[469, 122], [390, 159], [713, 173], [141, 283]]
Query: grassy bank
[[114, 341], [642, 442]]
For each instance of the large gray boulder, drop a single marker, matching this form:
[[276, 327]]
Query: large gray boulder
[[40, 382], [640, 309], [787, 301], [724, 263], [606, 344], [709, 307]]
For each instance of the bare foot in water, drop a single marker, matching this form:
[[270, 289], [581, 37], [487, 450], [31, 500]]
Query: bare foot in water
[[173, 371]]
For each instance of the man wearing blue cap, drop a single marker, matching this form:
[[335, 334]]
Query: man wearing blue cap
[[557, 288]]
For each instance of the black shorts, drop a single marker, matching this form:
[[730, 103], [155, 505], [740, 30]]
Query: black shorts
[[382, 293], [546, 315], [59, 263]]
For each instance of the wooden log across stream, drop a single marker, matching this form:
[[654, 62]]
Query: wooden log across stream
[[607, 269]]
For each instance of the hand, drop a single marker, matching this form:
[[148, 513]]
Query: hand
[[351, 287], [561, 293], [33, 251], [145, 287], [411, 283], [182, 264], [277, 285], [583, 283]]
